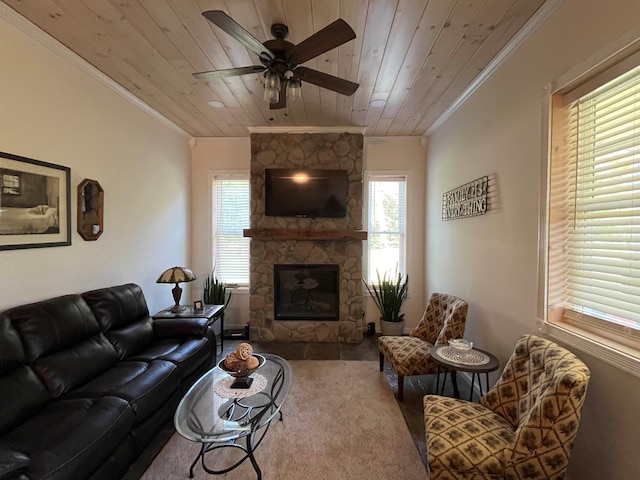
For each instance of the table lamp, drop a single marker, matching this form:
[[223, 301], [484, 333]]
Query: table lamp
[[176, 275]]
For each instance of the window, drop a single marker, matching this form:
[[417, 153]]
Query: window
[[386, 223], [593, 256], [231, 205], [10, 184]]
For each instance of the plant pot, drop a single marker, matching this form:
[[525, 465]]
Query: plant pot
[[391, 328]]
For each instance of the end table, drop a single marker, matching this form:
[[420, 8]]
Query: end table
[[450, 364], [210, 312]]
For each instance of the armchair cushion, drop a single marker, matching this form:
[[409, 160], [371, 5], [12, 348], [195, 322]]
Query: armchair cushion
[[407, 355], [464, 437]]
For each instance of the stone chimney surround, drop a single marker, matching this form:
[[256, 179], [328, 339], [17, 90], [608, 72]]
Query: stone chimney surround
[[293, 240]]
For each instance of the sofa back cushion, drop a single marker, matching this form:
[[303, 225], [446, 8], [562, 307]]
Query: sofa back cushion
[[21, 391], [62, 342], [123, 316]]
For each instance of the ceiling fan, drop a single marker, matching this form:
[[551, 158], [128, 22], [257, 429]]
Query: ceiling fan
[[281, 59]]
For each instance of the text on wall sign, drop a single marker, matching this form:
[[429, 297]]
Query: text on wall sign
[[467, 200]]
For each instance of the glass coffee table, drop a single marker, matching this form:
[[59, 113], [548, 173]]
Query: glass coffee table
[[218, 416]]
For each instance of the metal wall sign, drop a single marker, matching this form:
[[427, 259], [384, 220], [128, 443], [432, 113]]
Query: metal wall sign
[[468, 200]]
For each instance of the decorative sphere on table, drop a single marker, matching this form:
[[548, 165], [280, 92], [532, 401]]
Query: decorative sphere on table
[[244, 351], [242, 360]]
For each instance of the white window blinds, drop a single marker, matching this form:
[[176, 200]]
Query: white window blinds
[[594, 216], [231, 205], [386, 224]]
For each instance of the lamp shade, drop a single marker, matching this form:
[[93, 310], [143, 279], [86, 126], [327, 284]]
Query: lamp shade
[[176, 275], [294, 90]]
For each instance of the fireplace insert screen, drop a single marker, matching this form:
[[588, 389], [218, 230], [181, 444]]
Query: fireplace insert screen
[[306, 292]]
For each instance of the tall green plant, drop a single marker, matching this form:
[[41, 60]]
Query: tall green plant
[[215, 291], [389, 293]]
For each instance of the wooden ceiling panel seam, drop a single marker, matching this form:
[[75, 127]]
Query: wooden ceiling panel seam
[[433, 20], [402, 33], [447, 42], [202, 90], [378, 25]]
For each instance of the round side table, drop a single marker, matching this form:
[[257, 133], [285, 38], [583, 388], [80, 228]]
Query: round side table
[[453, 366]]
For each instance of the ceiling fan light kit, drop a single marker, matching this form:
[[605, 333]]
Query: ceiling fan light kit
[[281, 59]]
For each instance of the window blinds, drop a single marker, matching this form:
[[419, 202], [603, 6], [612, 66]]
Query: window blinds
[[231, 205], [386, 224], [594, 235]]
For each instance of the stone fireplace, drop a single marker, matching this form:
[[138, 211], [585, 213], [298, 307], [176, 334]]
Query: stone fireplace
[[282, 244]]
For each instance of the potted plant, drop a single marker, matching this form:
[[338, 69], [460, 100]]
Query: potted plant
[[389, 293], [216, 291]]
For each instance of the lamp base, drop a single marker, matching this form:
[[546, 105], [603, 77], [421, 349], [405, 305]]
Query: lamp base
[[177, 293]]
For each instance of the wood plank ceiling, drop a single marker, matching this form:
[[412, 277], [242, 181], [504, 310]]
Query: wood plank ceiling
[[412, 58]]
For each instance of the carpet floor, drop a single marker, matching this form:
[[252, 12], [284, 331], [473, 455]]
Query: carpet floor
[[341, 421]]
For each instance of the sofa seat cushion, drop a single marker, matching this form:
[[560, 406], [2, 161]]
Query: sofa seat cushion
[[464, 439], [186, 354], [407, 355], [70, 438], [145, 385]]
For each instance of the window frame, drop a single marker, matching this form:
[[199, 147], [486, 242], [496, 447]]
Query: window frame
[[368, 177], [591, 335], [225, 174], [12, 191]]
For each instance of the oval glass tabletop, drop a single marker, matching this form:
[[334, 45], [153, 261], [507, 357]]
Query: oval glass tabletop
[[211, 413]]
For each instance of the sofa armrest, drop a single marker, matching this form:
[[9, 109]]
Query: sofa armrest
[[12, 464], [180, 327]]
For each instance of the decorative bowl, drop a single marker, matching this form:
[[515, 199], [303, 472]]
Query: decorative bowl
[[242, 378], [460, 345]]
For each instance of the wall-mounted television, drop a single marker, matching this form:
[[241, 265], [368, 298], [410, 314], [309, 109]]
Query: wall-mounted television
[[292, 192]]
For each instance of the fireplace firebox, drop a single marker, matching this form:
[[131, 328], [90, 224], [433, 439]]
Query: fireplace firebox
[[306, 292]]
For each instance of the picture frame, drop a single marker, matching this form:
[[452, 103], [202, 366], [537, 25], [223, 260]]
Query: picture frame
[[197, 306], [35, 203]]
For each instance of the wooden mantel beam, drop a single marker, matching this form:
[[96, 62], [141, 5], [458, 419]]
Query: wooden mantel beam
[[295, 234]]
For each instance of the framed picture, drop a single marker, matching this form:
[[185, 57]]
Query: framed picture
[[35, 203], [197, 306]]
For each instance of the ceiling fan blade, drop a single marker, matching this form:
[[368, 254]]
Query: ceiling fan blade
[[324, 80], [282, 102], [328, 38], [229, 25], [229, 72]]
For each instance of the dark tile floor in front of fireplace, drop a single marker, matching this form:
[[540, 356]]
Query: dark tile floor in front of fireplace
[[415, 387]]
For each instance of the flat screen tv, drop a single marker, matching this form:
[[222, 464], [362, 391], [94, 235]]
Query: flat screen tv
[[291, 192]]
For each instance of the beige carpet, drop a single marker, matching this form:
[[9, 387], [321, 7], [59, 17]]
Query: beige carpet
[[341, 422]]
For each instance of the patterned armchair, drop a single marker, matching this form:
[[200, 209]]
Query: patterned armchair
[[444, 318], [523, 428]]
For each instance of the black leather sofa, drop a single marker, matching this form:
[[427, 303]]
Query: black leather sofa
[[88, 380]]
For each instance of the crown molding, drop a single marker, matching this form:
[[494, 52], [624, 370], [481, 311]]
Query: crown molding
[[537, 20], [35, 33]]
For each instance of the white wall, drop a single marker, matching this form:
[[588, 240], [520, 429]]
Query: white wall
[[404, 154], [380, 153], [52, 111], [491, 260], [209, 155]]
